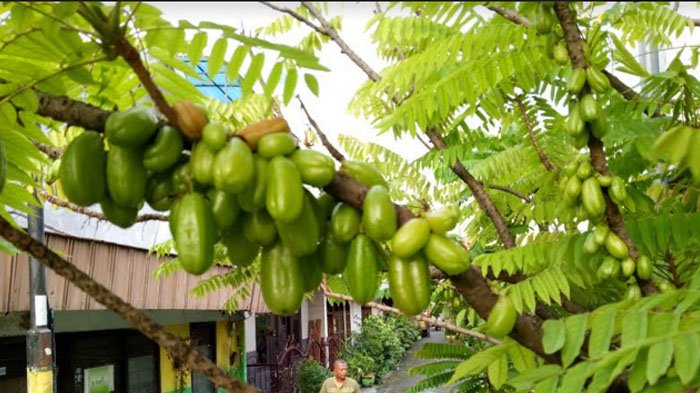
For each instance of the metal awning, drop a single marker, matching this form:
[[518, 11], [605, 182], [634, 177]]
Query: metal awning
[[126, 271]]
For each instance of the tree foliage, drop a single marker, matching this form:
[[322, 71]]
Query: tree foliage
[[487, 83]]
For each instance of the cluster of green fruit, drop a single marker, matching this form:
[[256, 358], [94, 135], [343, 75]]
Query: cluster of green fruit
[[248, 191]]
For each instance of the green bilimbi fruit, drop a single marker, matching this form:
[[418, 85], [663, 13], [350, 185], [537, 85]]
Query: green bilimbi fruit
[[214, 136], [122, 217], [410, 238], [576, 81], [409, 283], [361, 269], [202, 164], [224, 207], [574, 124], [628, 267], [165, 150], [590, 246], [82, 170], [281, 280], [240, 251], [592, 196], [589, 108], [609, 268], [573, 188], [600, 233], [585, 170], [260, 228], [597, 80], [253, 197], [345, 222], [561, 55], [379, 214], [315, 168], [284, 196], [126, 176], [598, 127], [644, 267], [543, 19], [502, 318], [234, 167], [131, 128], [617, 190], [363, 172], [276, 144], [615, 246], [446, 254], [195, 234], [443, 219], [302, 235], [333, 255]]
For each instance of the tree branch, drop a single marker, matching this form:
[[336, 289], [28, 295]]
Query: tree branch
[[674, 271], [175, 345], [295, 16], [324, 139], [572, 35], [511, 191], [72, 112], [528, 124], [344, 48], [509, 14], [127, 51], [89, 213], [419, 317], [52, 152]]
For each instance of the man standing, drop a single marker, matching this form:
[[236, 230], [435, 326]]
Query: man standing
[[340, 383]]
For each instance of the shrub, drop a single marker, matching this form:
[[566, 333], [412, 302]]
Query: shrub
[[310, 376]]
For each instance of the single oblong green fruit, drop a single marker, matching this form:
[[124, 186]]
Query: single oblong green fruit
[[284, 196], [597, 80], [592, 197], [543, 20], [326, 204], [233, 167], [598, 127], [378, 214], [410, 238], [570, 169], [361, 269], [666, 286], [333, 255], [443, 219], [195, 234], [224, 207], [617, 190], [590, 246], [502, 318], [126, 176], [576, 81], [214, 136], [131, 128], [345, 222], [239, 250], [633, 292], [574, 124], [316, 169], [165, 150], [281, 280], [603, 180], [560, 54], [276, 144], [447, 255], [122, 217], [573, 188], [644, 267], [260, 228], [615, 246], [600, 233], [585, 170], [609, 268], [363, 172], [202, 164], [301, 235], [82, 170], [581, 141], [409, 283], [589, 107], [253, 197]]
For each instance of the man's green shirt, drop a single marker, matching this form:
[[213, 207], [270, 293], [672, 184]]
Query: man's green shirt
[[348, 386]]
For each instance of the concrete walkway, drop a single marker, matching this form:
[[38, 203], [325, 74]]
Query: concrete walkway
[[398, 380]]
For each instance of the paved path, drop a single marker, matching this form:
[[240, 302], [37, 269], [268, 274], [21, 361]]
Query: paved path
[[398, 380]]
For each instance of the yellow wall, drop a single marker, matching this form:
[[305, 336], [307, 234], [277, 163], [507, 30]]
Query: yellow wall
[[168, 376], [225, 342]]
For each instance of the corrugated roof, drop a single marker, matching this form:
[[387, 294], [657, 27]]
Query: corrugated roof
[[126, 271]]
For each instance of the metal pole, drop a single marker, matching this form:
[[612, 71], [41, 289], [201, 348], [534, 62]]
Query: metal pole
[[40, 348]]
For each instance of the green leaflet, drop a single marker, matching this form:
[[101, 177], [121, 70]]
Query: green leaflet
[[686, 358], [554, 335], [575, 334], [216, 57], [196, 47], [602, 329], [311, 83], [253, 73], [290, 82]]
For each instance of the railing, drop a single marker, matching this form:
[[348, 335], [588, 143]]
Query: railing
[[280, 377]]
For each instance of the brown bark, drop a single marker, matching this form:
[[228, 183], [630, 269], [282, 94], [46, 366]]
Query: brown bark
[[175, 345], [71, 112]]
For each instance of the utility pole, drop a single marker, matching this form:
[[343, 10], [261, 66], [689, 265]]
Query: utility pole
[[40, 348]]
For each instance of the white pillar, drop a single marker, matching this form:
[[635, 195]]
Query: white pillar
[[304, 319], [324, 327], [250, 342], [355, 317]]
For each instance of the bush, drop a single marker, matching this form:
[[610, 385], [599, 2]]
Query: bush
[[379, 345], [310, 376]]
